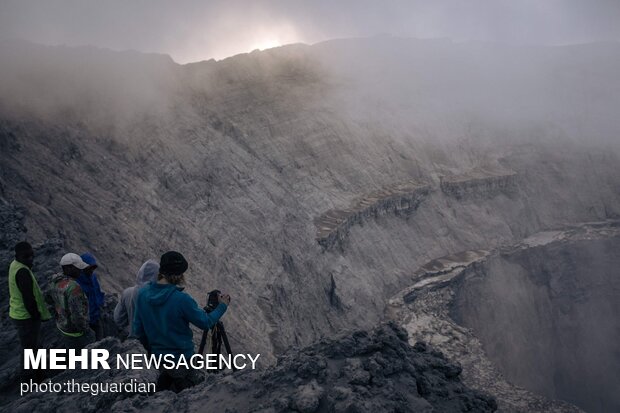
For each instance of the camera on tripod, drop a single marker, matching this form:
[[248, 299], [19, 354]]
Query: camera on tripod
[[213, 339], [213, 299]]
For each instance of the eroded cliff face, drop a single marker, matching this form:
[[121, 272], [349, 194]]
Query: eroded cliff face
[[527, 322], [547, 316], [235, 162]]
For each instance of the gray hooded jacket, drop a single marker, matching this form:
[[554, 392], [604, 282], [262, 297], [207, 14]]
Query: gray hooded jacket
[[123, 313]]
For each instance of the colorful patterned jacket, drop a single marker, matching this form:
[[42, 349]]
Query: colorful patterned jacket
[[71, 305]]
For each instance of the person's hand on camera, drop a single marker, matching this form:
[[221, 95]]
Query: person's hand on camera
[[224, 298]]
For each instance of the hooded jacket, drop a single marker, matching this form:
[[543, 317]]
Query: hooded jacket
[[91, 289], [123, 312], [162, 317]]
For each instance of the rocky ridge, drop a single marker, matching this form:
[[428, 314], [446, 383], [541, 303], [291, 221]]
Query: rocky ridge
[[363, 371]]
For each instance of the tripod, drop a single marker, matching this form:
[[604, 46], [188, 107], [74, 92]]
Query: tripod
[[218, 332], [218, 336]]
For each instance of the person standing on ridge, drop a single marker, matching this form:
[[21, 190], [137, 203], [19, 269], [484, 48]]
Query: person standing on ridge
[[71, 304], [90, 285], [162, 317], [27, 307], [123, 313]]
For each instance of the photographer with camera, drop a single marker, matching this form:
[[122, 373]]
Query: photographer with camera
[[162, 316]]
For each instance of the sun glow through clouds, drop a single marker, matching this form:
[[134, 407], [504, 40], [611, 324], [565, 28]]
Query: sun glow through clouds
[[271, 36], [266, 44]]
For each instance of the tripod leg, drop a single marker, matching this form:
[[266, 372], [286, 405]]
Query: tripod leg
[[203, 341], [226, 344]]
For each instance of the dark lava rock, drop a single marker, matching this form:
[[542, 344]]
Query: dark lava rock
[[374, 371]]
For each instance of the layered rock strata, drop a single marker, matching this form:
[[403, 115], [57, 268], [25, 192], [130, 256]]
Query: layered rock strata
[[479, 183], [402, 199]]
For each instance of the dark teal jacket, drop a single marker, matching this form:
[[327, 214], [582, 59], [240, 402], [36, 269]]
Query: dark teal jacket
[[162, 317]]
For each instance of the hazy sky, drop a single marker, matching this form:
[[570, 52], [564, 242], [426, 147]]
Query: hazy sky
[[192, 30]]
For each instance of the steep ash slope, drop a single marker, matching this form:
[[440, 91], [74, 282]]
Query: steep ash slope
[[561, 301], [537, 318], [232, 162]]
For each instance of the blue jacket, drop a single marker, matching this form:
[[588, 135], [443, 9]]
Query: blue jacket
[[162, 316], [91, 289]]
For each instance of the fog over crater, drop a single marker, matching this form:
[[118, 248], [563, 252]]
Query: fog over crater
[[336, 186]]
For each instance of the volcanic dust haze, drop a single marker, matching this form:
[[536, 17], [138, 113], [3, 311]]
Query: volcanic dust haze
[[133, 127]]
